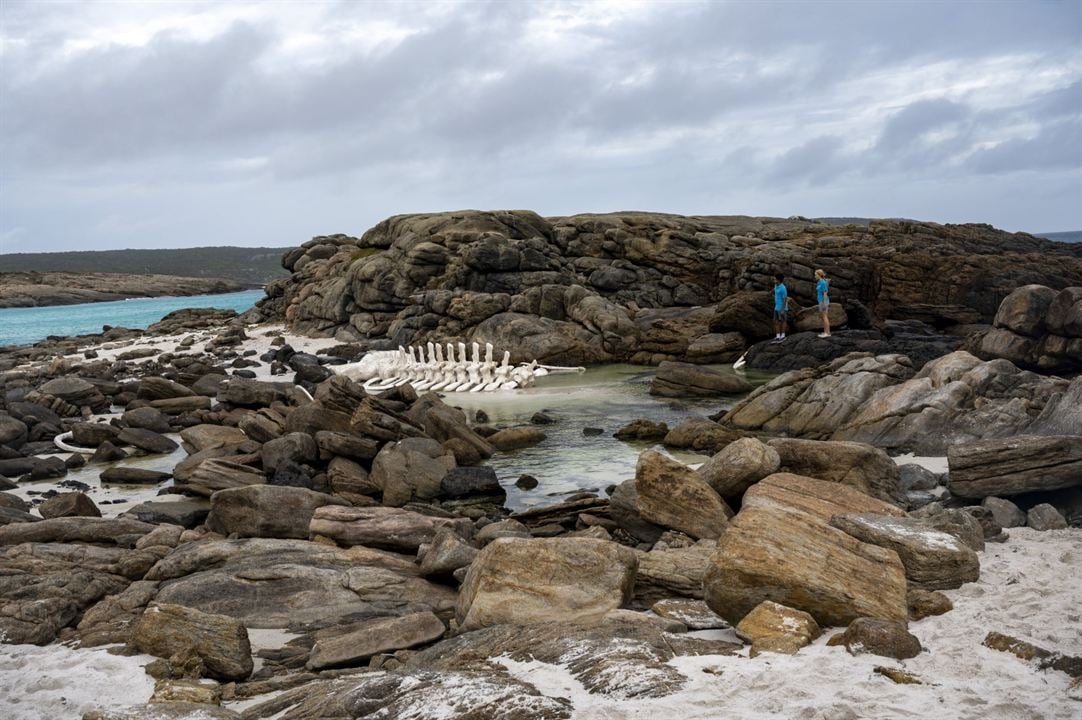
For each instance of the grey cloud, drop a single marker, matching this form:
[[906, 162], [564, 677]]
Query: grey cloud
[[1057, 146]]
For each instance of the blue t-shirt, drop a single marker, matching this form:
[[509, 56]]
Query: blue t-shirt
[[821, 289], [780, 295]]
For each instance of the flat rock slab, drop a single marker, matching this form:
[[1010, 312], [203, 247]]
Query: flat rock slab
[[133, 476], [188, 512], [1015, 465], [269, 511], [373, 637], [297, 584], [933, 560], [118, 531], [147, 440]]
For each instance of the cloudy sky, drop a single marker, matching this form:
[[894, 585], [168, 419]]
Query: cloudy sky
[[178, 124]]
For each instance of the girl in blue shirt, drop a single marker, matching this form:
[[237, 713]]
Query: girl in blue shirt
[[822, 294]]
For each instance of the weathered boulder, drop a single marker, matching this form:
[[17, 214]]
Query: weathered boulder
[[777, 628], [888, 638], [85, 434], [372, 637], [301, 584], [412, 468], [250, 393], [146, 418], [802, 350], [220, 642], [70, 504], [1045, 517], [740, 465], [380, 527], [13, 432], [104, 531], [933, 560], [701, 435], [926, 603], [268, 511], [297, 447], [678, 379], [184, 512], [545, 580], [447, 553], [1011, 466], [672, 495], [75, 391], [216, 474], [207, 437], [152, 387], [1005, 512], [857, 465], [780, 547], [118, 475], [642, 429], [147, 440]]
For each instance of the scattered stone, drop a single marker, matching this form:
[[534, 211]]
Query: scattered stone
[[926, 603], [694, 614], [542, 418], [1045, 517], [1031, 653], [447, 553], [1005, 512], [642, 429], [526, 482], [503, 529], [92, 434], [514, 438], [888, 638], [899, 676]]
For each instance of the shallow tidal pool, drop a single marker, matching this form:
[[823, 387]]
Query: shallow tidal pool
[[567, 461]]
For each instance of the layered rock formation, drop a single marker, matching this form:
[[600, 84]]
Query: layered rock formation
[[881, 401], [638, 286]]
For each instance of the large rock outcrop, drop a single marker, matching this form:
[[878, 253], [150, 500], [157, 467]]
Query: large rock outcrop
[[596, 288]]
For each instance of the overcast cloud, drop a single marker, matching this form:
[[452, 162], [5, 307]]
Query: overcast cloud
[[177, 124]]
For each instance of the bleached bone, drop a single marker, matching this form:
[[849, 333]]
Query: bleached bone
[[427, 368]]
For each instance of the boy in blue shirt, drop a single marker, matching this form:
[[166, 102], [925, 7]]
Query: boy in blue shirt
[[822, 294], [781, 307]]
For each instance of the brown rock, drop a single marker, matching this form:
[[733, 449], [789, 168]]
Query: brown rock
[[888, 638], [220, 642], [71, 504], [672, 495], [372, 637]]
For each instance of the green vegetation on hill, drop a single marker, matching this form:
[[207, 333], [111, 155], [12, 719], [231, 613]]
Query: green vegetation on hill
[[248, 265]]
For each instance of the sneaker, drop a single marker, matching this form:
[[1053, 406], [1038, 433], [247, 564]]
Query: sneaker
[[824, 335]]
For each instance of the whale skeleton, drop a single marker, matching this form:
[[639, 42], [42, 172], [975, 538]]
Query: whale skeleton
[[428, 368]]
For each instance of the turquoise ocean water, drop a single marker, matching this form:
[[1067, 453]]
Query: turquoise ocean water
[[22, 326]]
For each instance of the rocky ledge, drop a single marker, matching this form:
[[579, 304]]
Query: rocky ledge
[[648, 287], [37, 289]]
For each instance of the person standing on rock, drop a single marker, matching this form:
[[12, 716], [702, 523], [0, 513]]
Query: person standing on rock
[[822, 294], [781, 306]]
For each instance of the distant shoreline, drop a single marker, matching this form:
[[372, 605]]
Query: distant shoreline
[[48, 289]]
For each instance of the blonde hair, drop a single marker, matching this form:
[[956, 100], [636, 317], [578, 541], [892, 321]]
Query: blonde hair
[[819, 273]]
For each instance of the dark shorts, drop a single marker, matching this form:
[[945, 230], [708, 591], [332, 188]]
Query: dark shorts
[[780, 316]]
